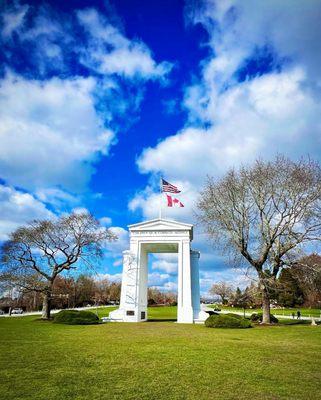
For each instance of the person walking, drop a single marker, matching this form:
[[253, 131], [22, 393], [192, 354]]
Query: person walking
[[298, 314]]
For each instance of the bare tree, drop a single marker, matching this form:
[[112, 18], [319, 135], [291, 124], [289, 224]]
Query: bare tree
[[36, 254], [222, 289], [260, 214], [307, 272], [114, 291], [155, 296]]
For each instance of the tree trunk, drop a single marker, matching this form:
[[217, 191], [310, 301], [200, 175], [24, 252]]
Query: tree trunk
[[46, 305], [266, 306], [34, 300]]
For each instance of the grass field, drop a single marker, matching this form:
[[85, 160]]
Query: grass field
[[157, 360], [305, 312]]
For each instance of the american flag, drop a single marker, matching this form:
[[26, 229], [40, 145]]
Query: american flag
[[168, 187]]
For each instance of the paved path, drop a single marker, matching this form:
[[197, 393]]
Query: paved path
[[248, 314], [52, 311]]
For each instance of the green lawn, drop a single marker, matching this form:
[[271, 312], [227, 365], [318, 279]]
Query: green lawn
[[157, 313], [157, 360], [305, 312]]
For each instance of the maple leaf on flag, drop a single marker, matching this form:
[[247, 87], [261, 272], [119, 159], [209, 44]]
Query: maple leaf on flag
[[173, 202]]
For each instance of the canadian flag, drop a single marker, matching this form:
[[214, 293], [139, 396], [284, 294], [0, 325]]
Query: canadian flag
[[173, 202]]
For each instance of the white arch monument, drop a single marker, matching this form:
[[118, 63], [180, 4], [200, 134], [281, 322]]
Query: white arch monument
[[158, 236]]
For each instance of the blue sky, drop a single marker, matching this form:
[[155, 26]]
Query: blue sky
[[98, 99]]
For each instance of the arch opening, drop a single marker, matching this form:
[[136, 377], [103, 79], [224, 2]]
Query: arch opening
[[162, 286]]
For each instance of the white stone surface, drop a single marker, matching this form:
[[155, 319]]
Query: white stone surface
[[158, 236]]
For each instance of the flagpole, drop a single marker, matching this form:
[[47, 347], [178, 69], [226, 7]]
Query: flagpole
[[160, 198]]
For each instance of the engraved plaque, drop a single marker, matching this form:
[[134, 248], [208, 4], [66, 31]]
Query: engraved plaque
[[158, 233], [130, 312], [143, 315]]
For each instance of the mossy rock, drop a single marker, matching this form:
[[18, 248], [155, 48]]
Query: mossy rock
[[227, 321], [75, 317]]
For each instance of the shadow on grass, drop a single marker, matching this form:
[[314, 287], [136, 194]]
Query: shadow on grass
[[43, 320], [294, 322]]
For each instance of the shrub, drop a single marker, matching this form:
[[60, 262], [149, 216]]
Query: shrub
[[74, 317], [254, 317], [210, 312], [259, 317], [234, 315], [227, 321]]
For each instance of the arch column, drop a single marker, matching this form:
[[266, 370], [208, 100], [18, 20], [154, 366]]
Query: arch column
[[133, 302], [184, 295], [196, 301]]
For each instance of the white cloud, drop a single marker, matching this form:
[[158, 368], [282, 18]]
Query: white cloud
[[43, 36], [129, 58], [116, 248], [118, 262], [17, 208], [50, 132], [13, 20], [238, 28], [276, 111], [110, 277], [57, 198], [105, 221], [160, 284], [269, 114], [170, 287], [80, 210], [55, 130], [157, 279], [261, 117], [149, 202], [98, 45], [170, 267], [235, 278], [113, 257], [101, 47]]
